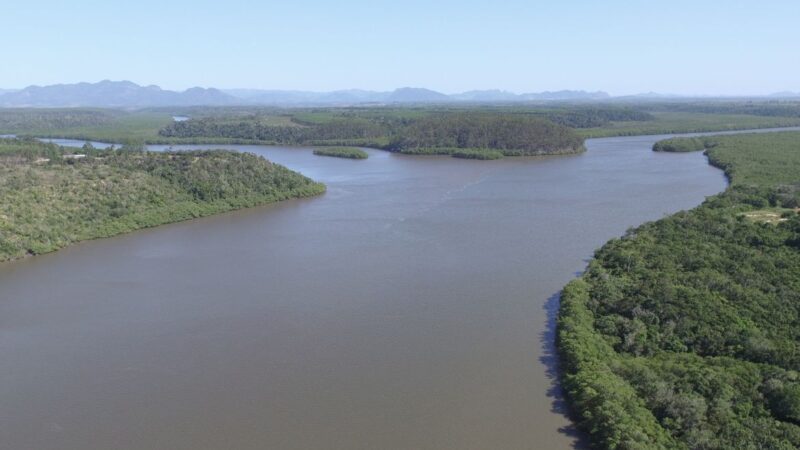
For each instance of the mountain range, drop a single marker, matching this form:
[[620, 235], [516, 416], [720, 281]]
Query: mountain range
[[126, 94], [112, 94]]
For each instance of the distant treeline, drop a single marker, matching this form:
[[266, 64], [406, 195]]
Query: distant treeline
[[24, 119], [777, 108], [591, 117], [253, 128], [342, 152], [688, 144], [51, 197], [685, 333], [514, 134], [510, 133]]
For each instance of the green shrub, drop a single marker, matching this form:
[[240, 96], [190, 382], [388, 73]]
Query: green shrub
[[342, 152]]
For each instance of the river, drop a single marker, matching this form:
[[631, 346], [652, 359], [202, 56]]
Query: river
[[410, 307]]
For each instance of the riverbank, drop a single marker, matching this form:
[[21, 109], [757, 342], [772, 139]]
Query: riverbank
[[52, 197], [682, 334], [159, 320]]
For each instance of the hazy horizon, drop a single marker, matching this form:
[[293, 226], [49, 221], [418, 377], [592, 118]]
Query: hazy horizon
[[623, 48]]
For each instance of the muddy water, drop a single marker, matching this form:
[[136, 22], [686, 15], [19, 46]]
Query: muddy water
[[407, 308]]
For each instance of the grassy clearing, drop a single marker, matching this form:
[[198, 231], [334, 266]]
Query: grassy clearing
[[772, 215]]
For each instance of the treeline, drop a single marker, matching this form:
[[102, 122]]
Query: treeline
[[591, 117], [516, 134], [252, 128], [775, 108], [684, 144], [685, 332], [352, 126], [477, 154], [51, 197], [342, 152], [512, 134], [24, 119]]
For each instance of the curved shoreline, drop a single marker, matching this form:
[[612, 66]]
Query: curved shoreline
[[598, 368], [432, 167], [74, 212], [458, 260]]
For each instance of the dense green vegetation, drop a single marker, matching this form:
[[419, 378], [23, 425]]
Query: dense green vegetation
[[509, 134], [766, 108], [50, 198], [342, 152], [512, 134], [671, 122], [19, 120], [481, 154], [685, 333], [414, 129], [104, 125], [684, 144]]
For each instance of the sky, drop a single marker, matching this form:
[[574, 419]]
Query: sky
[[695, 47]]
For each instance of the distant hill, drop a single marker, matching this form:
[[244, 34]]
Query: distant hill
[[565, 95], [786, 94], [493, 95], [648, 96], [112, 94], [416, 95], [341, 97], [279, 97], [126, 94]]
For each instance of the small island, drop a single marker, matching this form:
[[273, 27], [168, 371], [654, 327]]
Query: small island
[[342, 152], [424, 132]]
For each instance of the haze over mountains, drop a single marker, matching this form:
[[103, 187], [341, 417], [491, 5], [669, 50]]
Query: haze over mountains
[[126, 94]]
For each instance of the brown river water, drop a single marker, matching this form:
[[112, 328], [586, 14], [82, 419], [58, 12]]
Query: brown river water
[[410, 307]]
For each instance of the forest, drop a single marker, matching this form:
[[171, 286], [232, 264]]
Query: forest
[[511, 134], [684, 144], [52, 197], [774, 108], [684, 332], [342, 152], [382, 126]]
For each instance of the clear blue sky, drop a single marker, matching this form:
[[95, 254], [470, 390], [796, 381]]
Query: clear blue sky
[[686, 47]]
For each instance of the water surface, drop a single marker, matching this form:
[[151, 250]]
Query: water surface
[[407, 308]]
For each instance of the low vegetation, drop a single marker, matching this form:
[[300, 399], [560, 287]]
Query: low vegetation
[[684, 333], [764, 108], [50, 197], [104, 125], [684, 144], [477, 154], [342, 152], [670, 122]]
